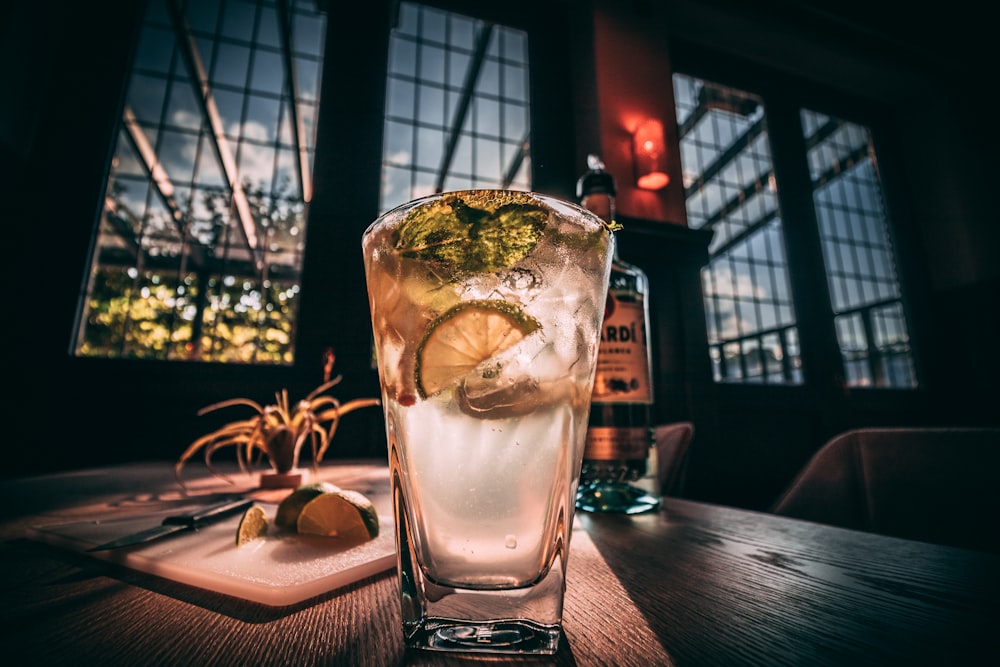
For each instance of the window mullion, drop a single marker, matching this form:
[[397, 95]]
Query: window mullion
[[806, 267]]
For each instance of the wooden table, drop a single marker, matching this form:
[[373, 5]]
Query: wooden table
[[694, 584]]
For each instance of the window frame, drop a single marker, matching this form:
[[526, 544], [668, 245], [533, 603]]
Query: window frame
[[783, 96], [475, 46], [193, 260]]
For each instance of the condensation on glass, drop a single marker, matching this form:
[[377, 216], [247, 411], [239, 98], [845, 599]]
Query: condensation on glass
[[457, 111], [860, 265], [198, 252], [730, 188]]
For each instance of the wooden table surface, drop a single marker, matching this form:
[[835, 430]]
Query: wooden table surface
[[694, 584]]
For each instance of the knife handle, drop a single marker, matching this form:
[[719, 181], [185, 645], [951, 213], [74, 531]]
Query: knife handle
[[208, 513]]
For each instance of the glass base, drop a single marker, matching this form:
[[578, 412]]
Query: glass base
[[615, 498], [525, 620], [507, 637]]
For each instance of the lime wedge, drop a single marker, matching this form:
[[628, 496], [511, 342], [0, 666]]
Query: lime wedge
[[288, 510], [464, 337], [253, 524], [344, 514]]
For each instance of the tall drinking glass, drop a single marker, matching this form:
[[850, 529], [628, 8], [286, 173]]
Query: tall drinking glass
[[486, 308]]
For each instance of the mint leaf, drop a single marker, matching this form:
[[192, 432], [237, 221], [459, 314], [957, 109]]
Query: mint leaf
[[478, 231]]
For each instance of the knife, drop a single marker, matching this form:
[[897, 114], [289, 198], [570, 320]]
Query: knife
[[177, 523]]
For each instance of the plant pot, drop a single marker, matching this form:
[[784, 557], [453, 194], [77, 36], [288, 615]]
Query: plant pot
[[283, 480]]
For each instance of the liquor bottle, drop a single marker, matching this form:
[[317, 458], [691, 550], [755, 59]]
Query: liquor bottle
[[616, 458]]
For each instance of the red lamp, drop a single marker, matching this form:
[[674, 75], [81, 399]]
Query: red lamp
[[650, 156]]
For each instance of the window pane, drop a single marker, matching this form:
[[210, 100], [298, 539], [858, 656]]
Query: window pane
[[457, 98], [187, 266], [729, 188], [752, 360], [858, 255]]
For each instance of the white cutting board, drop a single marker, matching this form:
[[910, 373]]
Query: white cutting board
[[280, 569]]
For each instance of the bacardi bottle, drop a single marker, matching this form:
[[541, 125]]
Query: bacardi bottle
[[620, 433]]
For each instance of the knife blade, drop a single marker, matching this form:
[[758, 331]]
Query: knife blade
[[178, 523]]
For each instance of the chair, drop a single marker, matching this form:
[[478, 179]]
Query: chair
[[939, 485], [672, 441]]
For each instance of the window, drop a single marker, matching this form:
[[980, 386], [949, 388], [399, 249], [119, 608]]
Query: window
[[198, 253], [864, 290], [730, 187], [457, 113]]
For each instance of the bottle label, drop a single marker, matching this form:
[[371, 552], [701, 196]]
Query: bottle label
[[607, 443], [622, 359]]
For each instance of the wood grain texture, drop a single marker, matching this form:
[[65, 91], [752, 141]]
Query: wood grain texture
[[726, 586], [692, 585]]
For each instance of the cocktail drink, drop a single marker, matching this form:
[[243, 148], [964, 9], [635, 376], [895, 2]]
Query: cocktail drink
[[486, 310]]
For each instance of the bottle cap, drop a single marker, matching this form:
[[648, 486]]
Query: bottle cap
[[595, 180]]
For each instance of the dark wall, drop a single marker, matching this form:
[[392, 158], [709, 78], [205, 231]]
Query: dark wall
[[63, 68]]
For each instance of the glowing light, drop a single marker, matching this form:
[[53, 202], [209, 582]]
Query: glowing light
[[650, 156]]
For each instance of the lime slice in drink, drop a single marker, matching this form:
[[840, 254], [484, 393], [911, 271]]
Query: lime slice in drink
[[288, 510], [253, 524], [477, 231], [464, 337], [345, 514]]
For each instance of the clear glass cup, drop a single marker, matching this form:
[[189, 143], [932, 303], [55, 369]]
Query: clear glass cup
[[486, 310]]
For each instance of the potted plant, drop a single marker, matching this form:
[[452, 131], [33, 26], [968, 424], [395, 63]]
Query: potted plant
[[277, 432]]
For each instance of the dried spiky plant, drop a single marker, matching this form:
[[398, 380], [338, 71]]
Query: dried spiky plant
[[277, 431]]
